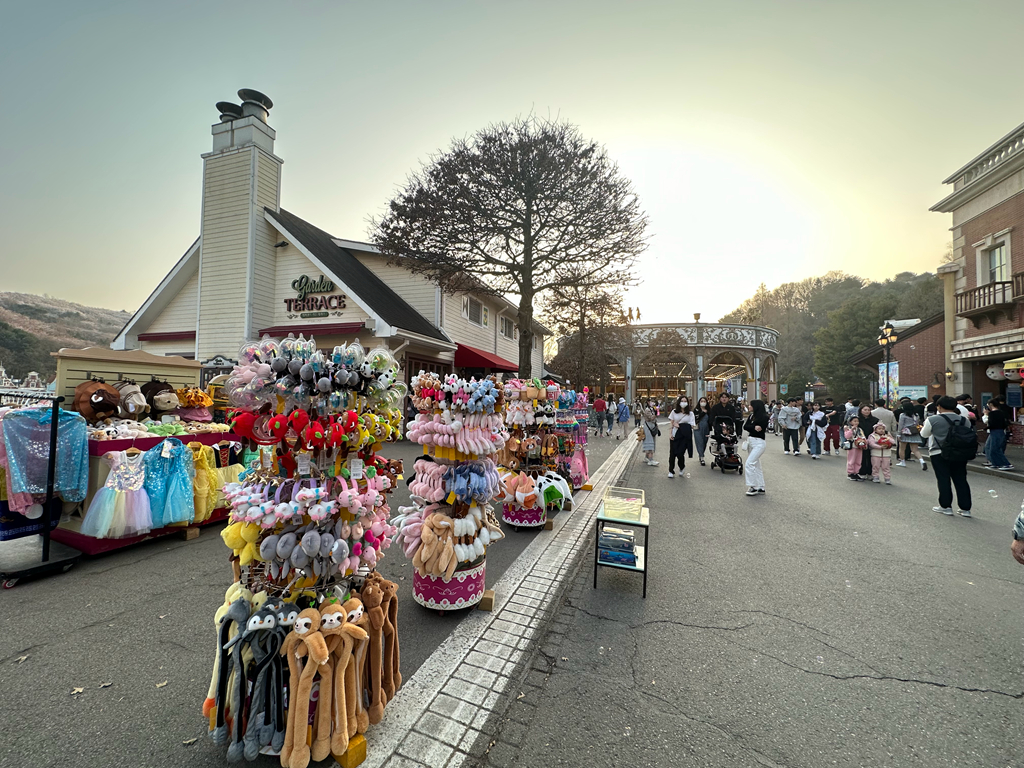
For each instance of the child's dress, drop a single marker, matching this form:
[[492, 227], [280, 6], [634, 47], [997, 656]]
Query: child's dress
[[854, 455], [205, 489], [121, 507], [170, 472]]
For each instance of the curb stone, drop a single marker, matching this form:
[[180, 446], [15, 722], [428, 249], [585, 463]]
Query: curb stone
[[447, 712]]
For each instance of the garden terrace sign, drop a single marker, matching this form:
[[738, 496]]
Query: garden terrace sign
[[310, 300]]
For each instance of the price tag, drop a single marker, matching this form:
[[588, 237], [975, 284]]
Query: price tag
[[165, 452], [355, 468], [265, 458], [303, 461]]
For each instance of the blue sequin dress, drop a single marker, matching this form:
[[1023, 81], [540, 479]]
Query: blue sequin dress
[[169, 482], [121, 507]]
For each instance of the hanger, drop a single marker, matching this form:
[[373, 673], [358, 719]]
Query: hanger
[[133, 451]]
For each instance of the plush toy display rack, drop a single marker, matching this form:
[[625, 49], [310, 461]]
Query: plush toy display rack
[[535, 462], [450, 525], [22, 553], [307, 527]]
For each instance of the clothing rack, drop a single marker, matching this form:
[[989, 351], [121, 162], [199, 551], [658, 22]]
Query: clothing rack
[[20, 557]]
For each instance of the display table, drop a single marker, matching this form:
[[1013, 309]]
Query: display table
[[632, 520]]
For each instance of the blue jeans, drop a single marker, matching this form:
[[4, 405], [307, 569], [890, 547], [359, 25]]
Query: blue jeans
[[814, 443], [995, 447]]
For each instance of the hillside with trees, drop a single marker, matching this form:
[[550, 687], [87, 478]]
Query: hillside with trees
[[823, 320], [31, 327]]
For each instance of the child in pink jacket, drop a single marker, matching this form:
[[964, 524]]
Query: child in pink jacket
[[881, 445], [854, 436]]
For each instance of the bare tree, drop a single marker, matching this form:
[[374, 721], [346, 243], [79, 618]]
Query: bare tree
[[526, 207]]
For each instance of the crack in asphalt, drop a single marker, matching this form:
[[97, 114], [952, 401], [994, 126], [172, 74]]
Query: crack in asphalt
[[22, 652], [878, 676], [784, 618]]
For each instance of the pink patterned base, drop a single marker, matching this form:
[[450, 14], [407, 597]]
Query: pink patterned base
[[464, 590], [523, 518]]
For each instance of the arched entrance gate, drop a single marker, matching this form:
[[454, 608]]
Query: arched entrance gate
[[698, 358]]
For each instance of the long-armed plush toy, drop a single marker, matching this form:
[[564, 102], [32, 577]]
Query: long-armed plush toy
[[305, 640], [372, 597]]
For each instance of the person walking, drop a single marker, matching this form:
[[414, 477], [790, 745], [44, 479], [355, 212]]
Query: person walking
[[637, 412], [817, 421], [884, 416], [651, 433], [773, 417], [623, 414], [881, 444], [756, 427], [852, 407], [834, 430], [950, 438], [702, 419], [790, 416], [855, 445], [909, 432], [611, 413], [681, 437], [867, 426], [995, 445], [600, 406]]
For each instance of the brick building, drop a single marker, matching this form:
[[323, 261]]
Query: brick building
[[921, 353], [984, 283]]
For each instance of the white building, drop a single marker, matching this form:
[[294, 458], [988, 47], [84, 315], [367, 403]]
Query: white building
[[257, 269]]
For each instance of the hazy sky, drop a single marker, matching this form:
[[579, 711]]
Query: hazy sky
[[769, 141]]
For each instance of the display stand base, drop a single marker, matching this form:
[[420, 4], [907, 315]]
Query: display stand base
[[92, 546], [587, 487], [465, 590], [549, 525], [518, 517], [355, 754], [487, 601], [23, 558]]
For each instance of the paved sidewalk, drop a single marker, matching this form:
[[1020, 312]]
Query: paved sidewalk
[[827, 623]]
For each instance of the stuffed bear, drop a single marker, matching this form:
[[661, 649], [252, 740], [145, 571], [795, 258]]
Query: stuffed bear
[[96, 400], [161, 398]]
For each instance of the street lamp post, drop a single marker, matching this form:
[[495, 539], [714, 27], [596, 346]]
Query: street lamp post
[[887, 338]]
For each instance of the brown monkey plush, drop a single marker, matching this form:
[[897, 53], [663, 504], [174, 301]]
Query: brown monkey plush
[[358, 719], [307, 642], [372, 598], [391, 677], [332, 618], [346, 691]]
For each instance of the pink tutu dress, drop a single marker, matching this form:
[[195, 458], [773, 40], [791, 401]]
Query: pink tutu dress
[[121, 507]]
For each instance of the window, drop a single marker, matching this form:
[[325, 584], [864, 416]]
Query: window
[[998, 270], [507, 327], [476, 312]]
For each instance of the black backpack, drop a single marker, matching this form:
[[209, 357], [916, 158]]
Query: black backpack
[[961, 443]]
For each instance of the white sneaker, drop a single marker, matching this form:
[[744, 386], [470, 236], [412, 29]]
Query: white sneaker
[[888, 482], [787, 453], [901, 463], [813, 456], [655, 463], [943, 510], [671, 474], [875, 480], [753, 492], [964, 512]]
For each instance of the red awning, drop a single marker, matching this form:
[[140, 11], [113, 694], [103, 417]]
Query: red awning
[[471, 357]]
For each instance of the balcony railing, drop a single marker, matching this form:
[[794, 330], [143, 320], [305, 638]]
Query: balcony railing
[[1018, 286], [987, 301]]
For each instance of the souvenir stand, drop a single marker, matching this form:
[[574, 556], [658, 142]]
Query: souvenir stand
[[529, 462], [150, 430], [447, 530], [572, 439], [307, 652], [28, 505]]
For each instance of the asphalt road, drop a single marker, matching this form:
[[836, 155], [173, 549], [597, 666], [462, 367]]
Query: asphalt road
[[825, 624], [142, 617]]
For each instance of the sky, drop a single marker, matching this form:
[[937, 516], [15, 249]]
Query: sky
[[768, 140]]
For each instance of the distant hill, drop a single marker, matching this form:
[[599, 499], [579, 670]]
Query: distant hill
[[31, 327]]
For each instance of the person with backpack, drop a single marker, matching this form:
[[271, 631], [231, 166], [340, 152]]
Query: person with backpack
[[623, 414], [952, 442]]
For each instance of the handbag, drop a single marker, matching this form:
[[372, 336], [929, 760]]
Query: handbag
[[745, 445]]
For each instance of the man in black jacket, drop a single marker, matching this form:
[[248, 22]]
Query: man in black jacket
[[833, 433], [995, 446]]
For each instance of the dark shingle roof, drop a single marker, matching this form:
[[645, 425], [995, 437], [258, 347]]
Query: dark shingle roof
[[360, 279]]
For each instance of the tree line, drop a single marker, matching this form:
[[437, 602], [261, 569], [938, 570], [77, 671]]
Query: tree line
[[842, 314]]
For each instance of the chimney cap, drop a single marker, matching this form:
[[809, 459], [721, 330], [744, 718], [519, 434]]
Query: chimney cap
[[248, 94], [229, 111]]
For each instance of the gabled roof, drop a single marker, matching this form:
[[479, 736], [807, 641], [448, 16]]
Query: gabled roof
[[869, 352], [392, 308]]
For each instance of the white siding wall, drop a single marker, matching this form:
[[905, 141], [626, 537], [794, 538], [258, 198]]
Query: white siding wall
[[418, 290], [268, 179], [488, 338], [184, 348], [180, 313], [291, 264], [224, 268]]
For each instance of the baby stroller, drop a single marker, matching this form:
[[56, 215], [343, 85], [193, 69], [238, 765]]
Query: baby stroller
[[722, 445]]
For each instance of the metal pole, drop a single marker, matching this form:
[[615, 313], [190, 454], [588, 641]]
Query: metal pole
[[51, 465]]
